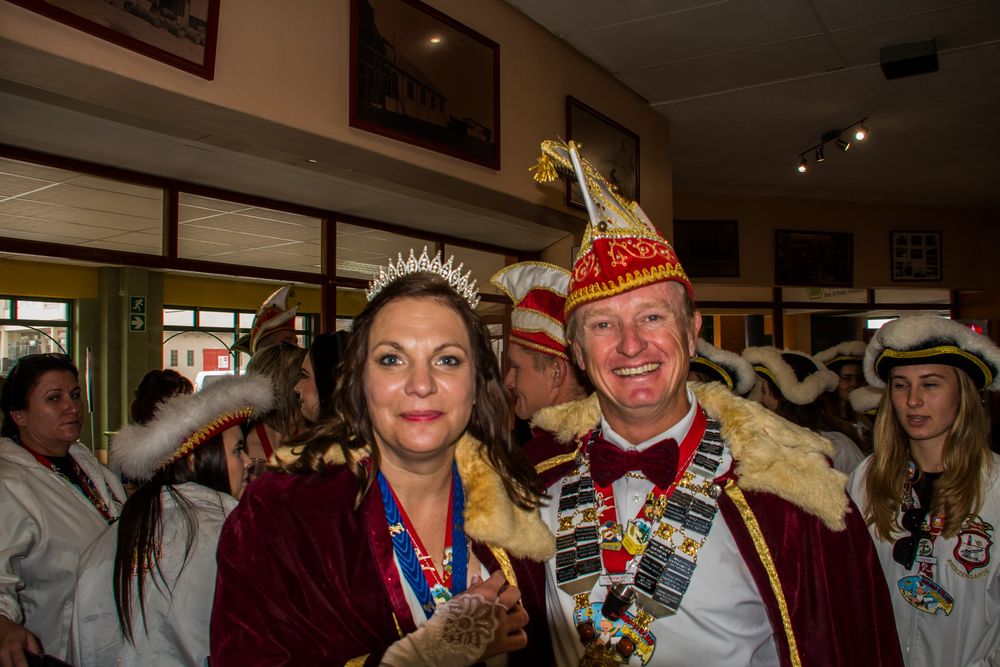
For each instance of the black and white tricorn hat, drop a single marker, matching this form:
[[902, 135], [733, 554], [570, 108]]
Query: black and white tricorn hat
[[929, 339], [848, 352], [800, 378], [724, 366], [185, 422]]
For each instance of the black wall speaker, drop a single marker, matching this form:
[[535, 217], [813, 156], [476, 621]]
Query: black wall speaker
[[909, 59]]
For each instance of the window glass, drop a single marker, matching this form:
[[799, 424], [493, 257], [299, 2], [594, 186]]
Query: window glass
[[42, 310], [361, 251], [178, 317], [482, 264], [18, 341], [216, 319], [222, 231], [6, 309], [40, 203], [246, 320]]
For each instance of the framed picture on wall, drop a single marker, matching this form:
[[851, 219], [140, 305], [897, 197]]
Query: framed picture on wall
[[182, 34], [612, 149], [421, 77], [813, 259], [708, 248], [915, 255]]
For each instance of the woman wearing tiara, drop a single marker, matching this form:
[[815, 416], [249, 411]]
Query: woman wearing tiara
[[404, 530]]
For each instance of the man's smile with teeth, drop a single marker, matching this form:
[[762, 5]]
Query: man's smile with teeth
[[638, 370]]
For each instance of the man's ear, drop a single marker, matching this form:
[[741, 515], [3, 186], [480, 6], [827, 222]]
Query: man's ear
[[559, 369], [578, 356], [696, 331]]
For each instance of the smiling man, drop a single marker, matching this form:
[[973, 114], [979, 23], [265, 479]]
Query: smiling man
[[540, 373], [692, 526]]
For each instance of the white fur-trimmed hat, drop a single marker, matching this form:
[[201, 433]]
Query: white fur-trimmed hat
[[930, 339], [183, 423], [724, 366], [865, 400], [800, 378], [848, 352]]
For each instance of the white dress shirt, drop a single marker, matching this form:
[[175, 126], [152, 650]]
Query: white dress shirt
[[722, 620]]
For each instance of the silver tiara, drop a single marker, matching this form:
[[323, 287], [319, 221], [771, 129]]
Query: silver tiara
[[465, 285]]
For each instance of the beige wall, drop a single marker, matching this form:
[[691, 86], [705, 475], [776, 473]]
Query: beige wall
[[970, 239], [288, 63]]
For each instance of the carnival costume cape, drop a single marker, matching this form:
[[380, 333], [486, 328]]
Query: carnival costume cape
[[343, 603], [803, 541]]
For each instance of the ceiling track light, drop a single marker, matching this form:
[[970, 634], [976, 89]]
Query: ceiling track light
[[835, 137]]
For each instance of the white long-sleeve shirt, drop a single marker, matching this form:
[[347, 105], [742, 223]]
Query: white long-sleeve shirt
[[45, 522], [178, 608], [970, 635]]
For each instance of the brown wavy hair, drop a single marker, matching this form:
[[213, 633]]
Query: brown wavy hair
[[282, 364], [350, 428], [966, 460]]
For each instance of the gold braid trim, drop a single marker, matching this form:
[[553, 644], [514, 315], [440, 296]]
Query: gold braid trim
[[549, 464], [358, 661], [217, 425], [936, 351], [764, 370], [705, 361], [503, 560], [627, 282], [538, 347], [736, 495]]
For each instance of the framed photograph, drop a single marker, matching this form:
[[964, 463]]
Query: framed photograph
[[612, 149], [421, 77], [182, 34], [708, 248], [915, 255], [813, 259]]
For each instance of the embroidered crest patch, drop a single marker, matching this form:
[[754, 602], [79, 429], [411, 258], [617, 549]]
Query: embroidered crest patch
[[974, 543]]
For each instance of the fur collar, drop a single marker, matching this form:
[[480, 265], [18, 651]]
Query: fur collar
[[772, 455], [491, 517]]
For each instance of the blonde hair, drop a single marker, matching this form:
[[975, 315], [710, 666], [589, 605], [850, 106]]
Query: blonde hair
[[966, 460]]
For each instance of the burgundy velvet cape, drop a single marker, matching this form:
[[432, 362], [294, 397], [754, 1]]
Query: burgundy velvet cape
[[305, 579], [832, 583]]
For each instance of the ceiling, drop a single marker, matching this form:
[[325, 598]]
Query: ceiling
[[748, 85]]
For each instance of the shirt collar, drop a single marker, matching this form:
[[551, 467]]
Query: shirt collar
[[678, 431]]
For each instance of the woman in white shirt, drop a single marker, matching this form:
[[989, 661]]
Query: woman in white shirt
[[145, 587], [931, 491]]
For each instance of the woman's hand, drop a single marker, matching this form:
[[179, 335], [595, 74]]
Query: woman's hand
[[15, 640], [512, 617]]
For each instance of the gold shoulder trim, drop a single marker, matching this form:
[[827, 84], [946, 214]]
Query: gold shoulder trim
[[764, 553], [555, 461], [505, 565]]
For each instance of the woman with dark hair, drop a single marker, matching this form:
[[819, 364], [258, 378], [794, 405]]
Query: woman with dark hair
[[281, 364], [318, 376], [144, 594], [155, 387], [789, 383], [55, 498], [931, 491], [405, 529]]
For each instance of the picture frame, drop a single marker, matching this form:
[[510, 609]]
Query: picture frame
[[813, 259], [915, 256], [185, 42], [421, 77], [708, 248], [609, 147]]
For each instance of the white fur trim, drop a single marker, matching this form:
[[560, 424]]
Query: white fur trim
[[922, 331], [865, 399], [800, 393], [139, 451], [739, 369], [850, 348]]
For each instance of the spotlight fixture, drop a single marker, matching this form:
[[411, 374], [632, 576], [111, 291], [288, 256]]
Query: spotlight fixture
[[836, 138]]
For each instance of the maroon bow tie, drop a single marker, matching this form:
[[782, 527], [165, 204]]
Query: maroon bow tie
[[609, 462]]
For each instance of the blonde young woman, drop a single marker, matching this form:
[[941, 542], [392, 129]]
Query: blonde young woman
[[931, 491]]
